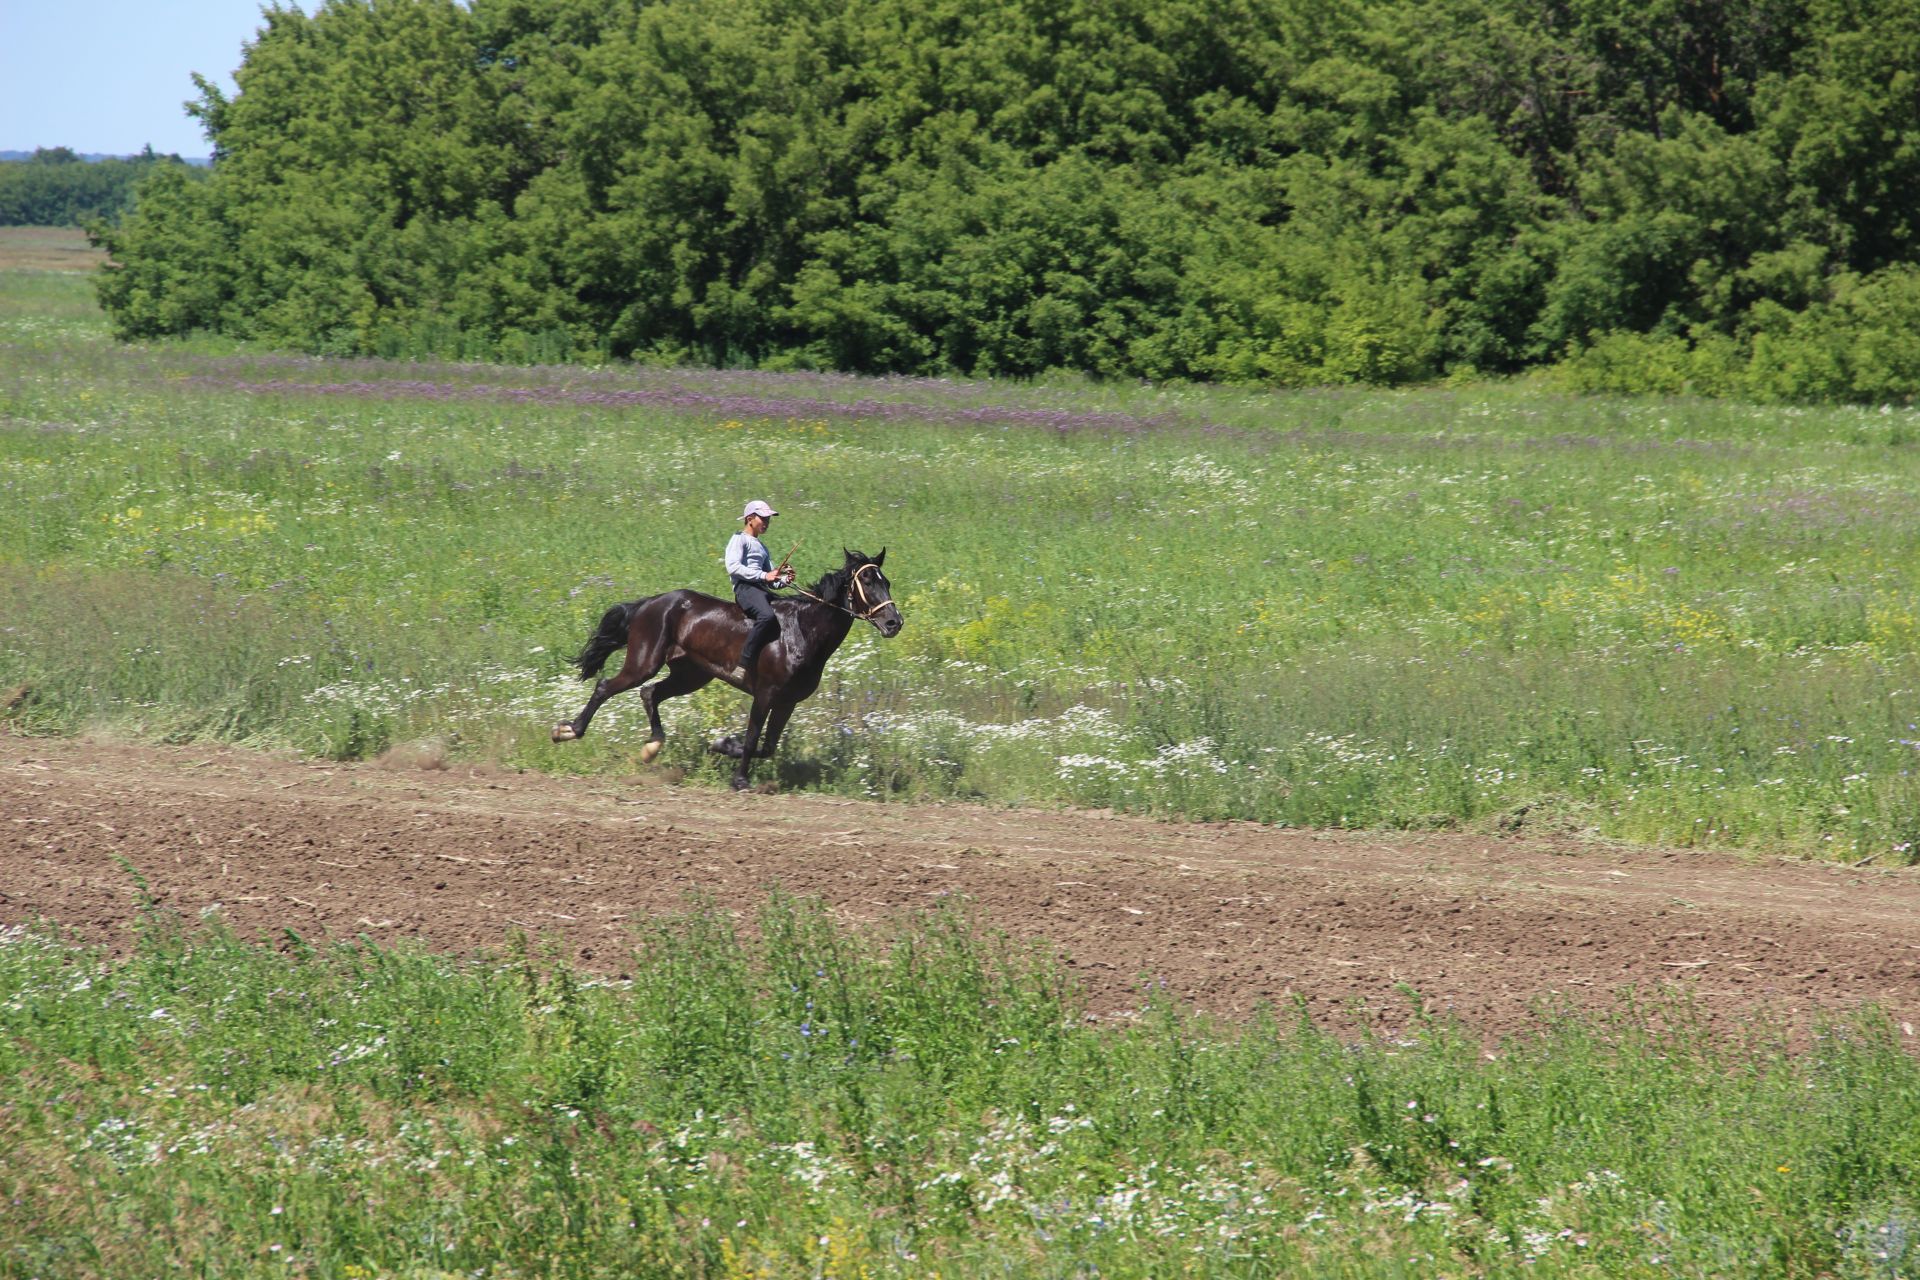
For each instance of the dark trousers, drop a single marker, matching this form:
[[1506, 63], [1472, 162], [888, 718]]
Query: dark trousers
[[759, 607]]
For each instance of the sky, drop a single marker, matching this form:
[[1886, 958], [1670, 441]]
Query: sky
[[110, 76]]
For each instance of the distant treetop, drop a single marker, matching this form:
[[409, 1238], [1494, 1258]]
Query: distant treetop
[[57, 186], [1716, 197]]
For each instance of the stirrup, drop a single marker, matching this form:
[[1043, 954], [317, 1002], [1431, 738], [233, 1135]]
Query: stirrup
[[739, 673]]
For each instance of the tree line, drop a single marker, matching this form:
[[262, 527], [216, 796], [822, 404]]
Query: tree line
[[1688, 195], [56, 187]]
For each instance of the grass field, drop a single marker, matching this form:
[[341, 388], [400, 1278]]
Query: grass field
[[62, 249], [810, 1104], [1689, 623]]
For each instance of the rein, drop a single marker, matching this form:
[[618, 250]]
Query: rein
[[857, 586]]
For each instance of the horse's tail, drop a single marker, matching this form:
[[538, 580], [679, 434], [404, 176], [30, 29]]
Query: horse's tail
[[611, 635]]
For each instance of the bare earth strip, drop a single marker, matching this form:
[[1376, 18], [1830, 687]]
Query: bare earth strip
[[1226, 915]]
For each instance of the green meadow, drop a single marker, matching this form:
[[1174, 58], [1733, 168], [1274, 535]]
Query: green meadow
[[1682, 622], [811, 1104], [1501, 607]]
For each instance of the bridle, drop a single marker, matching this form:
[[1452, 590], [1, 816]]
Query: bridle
[[858, 586]]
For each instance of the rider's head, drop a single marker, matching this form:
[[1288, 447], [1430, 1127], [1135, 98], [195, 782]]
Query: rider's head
[[757, 516]]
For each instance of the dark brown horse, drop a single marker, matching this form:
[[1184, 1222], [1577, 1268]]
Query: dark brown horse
[[698, 639]]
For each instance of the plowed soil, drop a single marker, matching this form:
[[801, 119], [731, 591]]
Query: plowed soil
[[1484, 929]]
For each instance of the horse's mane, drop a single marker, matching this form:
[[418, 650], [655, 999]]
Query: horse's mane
[[834, 581]]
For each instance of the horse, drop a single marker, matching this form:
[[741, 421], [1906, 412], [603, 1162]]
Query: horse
[[698, 638]]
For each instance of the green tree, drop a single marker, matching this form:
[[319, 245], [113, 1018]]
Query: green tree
[[1708, 192], [56, 188]]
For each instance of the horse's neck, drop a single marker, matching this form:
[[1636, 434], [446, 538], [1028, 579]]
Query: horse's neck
[[836, 620]]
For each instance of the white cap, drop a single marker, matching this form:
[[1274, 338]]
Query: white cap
[[758, 508]]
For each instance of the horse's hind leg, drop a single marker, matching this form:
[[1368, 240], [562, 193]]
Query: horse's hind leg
[[681, 678], [643, 659]]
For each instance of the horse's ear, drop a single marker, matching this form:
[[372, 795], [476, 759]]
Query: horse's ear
[[881, 558], [848, 554]]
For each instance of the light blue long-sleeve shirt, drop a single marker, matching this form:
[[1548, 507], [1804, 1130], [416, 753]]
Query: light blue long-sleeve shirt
[[748, 560]]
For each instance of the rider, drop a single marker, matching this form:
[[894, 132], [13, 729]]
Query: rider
[[753, 572]]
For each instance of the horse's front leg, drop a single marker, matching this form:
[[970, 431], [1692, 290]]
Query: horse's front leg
[[776, 725], [750, 743]]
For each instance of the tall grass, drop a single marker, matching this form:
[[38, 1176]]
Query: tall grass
[[1683, 622], [804, 1102]]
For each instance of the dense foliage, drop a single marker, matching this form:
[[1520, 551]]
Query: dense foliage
[[1677, 194], [56, 187]]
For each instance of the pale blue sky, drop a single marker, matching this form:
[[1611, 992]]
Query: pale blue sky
[[110, 75]]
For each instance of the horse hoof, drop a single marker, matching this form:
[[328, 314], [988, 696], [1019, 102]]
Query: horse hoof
[[564, 733], [649, 753], [741, 784]]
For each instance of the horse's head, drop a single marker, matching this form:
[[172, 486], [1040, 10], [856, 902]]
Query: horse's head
[[868, 593]]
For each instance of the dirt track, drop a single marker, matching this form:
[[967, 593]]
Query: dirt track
[[1227, 915]]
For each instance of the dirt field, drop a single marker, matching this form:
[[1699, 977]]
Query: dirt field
[[1227, 915]]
